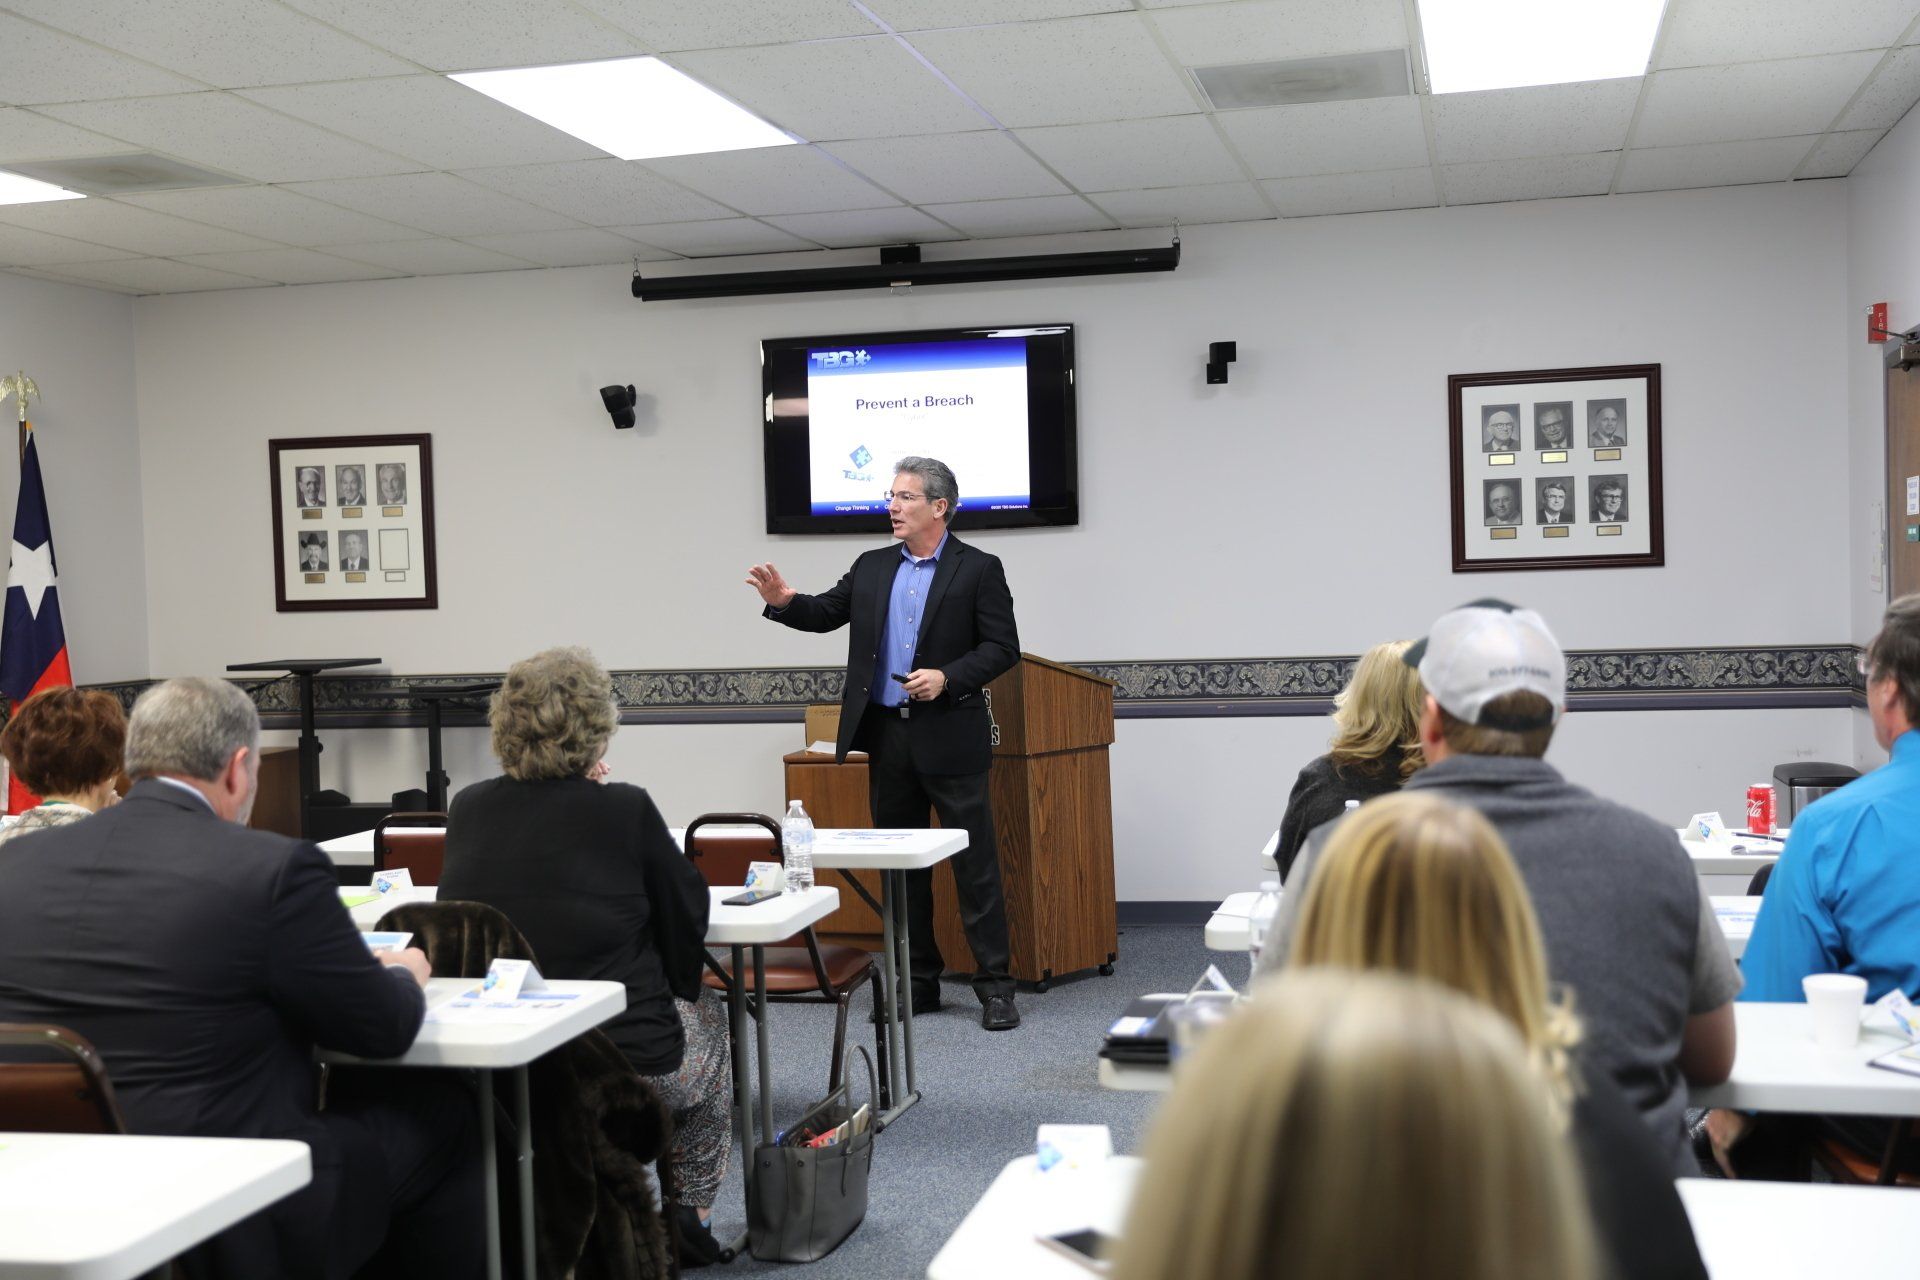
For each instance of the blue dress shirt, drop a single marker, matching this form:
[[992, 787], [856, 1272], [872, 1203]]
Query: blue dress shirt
[[906, 605], [1845, 897]]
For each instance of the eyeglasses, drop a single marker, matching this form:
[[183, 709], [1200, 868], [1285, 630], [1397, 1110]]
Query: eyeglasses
[[891, 496], [1863, 665]]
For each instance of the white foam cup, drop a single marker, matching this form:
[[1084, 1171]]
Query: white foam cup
[[1834, 1001]]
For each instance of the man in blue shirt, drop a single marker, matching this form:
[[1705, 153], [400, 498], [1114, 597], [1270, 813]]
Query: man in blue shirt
[[1845, 897]]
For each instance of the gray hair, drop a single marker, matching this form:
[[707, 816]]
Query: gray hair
[[936, 476], [192, 727], [1894, 653]]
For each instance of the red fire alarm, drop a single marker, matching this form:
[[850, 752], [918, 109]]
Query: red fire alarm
[[1877, 323]]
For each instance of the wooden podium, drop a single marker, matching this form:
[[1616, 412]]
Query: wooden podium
[[1053, 820]]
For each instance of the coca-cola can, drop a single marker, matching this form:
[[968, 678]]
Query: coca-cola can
[[1760, 808]]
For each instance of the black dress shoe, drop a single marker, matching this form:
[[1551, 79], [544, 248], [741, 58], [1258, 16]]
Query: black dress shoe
[[999, 1014], [921, 1005]]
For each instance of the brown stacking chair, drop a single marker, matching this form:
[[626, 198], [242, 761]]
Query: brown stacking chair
[[799, 969], [61, 1090], [422, 853], [1844, 1164]]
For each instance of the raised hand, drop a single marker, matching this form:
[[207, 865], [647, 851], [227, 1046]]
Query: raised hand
[[773, 588]]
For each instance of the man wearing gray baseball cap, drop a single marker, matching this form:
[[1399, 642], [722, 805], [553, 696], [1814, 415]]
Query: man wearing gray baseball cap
[[1628, 927]]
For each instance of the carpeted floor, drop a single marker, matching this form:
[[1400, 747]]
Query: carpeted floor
[[982, 1096]]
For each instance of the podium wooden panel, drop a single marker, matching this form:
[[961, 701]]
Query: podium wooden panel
[[1053, 819], [276, 804]]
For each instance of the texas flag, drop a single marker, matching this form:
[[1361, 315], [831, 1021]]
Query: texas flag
[[33, 644]]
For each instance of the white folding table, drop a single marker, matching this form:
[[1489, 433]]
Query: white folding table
[[999, 1237], [1735, 915], [366, 915], [82, 1206], [752, 928], [1778, 1067], [486, 1047], [1761, 1230], [356, 849]]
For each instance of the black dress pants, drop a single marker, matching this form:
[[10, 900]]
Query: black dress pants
[[900, 796]]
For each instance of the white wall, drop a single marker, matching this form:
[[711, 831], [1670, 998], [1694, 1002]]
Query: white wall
[[78, 346], [1302, 509]]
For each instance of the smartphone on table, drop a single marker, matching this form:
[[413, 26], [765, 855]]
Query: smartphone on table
[[1088, 1247], [750, 897]]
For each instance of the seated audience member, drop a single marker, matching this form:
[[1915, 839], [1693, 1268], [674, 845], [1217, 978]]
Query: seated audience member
[[1627, 925], [1375, 747], [1344, 1126], [589, 873], [1845, 896], [206, 962], [1418, 885], [64, 745]]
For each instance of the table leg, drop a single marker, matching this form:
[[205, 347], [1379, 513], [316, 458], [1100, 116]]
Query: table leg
[[523, 1156], [899, 881], [490, 1175], [742, 1092], [764, 1051], [889, 994]]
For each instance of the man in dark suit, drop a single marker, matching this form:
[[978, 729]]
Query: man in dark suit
[[931, 622], [205, 962], [353, 551]]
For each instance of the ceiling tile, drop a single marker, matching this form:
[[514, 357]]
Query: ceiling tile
[[952, 166], [429, 119], [1168, 152], [23, 247], [1837, 153], [53, 274], [1698, 33], [1512, 124], [1036, 216], [600, 193], [1756, 100], [667, 25], [475, 34], [273, 213], [430, 257], [1272, 30], [865, 88], [159, 275], [772, 180], [1071, 71], [581, 247], [1889, 95], [725, 237], [1352, 192], [49, 66], [920, 15], [1712, 164], [860, 227], [1221, 202], [291, 266], [222, 131], [122, 226], [1542, 178], [225, 43], [25, 136], [437, 202], [1328, 137]]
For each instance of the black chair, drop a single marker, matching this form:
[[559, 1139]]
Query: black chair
[[798, 969]]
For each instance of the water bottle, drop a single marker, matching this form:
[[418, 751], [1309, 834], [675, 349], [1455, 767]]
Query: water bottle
[[1260, 919], [796, 842]]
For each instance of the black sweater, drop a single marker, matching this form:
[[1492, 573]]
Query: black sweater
[[590, 874], [1320, 794]]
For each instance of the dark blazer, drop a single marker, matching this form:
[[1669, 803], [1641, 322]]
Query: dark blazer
[[205, 961], [967, 631]]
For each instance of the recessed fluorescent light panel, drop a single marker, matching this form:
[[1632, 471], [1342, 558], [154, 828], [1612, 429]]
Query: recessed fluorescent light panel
[[634, 108], [1507, 44], [15, 189]]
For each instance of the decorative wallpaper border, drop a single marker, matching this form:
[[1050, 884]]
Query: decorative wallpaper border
[[1602, 680]]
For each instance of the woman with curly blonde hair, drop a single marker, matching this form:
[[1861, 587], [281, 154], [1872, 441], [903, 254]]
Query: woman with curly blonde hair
[[1375, 746], [1418, 885], [590, 875]]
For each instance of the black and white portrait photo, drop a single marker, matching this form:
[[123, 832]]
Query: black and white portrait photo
[[1553, 499], [1502, 501], [350, 485], [392, 479], [1609, 500], [1606, 424], [311, 485], [313, 552], [1500, 428], [353, 551], [1552, 424]]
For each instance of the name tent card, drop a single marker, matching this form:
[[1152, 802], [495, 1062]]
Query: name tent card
[[395, 881]]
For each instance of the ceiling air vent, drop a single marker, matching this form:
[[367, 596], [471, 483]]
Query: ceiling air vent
[[1280, 84], [118, 175]]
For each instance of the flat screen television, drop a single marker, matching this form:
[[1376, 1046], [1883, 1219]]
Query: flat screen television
[[995, 404]]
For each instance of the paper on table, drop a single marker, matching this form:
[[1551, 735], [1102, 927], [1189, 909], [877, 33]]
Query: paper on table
[[863, 837], [527, 1008]]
